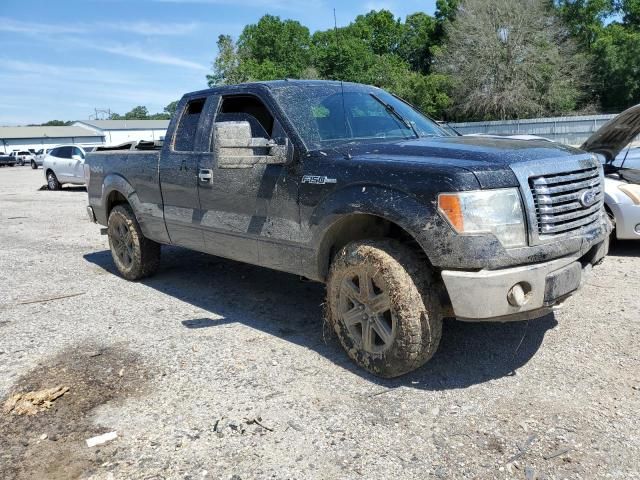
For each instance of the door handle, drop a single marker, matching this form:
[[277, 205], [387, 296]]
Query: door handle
[[205, 175]]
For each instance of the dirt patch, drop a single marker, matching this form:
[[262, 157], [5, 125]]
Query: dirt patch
[[50, 442]]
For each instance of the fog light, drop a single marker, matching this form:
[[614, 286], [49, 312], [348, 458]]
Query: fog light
[[638, 228], [519, 295]]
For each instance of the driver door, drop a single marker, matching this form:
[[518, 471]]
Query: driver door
[[234, 191]]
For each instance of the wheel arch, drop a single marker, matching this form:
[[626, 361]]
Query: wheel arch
[[113, 199], [362, 212], [357, 226], [116, 191]]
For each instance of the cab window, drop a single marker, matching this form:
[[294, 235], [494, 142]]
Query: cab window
[[185, 136]]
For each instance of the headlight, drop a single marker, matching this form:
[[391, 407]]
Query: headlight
[[498, 212], [632, 191]]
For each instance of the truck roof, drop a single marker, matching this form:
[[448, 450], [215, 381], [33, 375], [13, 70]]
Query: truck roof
[[274, 84]]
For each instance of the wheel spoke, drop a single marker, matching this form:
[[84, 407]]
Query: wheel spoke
[[380, 303], [367, 337], [382, 329], [366, 286], [352, 317], [350, 290]]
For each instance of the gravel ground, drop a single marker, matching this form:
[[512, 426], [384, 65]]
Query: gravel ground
[[215, 369]]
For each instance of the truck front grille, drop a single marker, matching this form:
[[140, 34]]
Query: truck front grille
[[567, 201]]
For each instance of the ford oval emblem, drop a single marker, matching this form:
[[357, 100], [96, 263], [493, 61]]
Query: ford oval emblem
[[588, 198]]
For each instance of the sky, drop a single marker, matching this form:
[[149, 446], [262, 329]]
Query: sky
[[61, 59]]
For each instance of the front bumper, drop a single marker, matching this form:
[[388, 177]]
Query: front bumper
[[488, 295], [627, 219]]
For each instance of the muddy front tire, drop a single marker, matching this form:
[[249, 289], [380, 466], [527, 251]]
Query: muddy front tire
[[384, 305], [135, 256]]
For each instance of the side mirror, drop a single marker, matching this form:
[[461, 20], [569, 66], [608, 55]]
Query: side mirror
[[76, 157], [236, 148]]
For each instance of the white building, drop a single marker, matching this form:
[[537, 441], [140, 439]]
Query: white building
[[23, 138], [116, 132]]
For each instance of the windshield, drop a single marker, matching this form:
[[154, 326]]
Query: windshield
[[324, 116]]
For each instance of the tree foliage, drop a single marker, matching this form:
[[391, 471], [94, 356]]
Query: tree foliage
[[609, 32], [511, 59], [56, 123], [475, 59], [142, 113], [376, 48]]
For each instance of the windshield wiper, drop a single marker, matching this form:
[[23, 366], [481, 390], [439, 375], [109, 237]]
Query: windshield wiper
[[389, 108]]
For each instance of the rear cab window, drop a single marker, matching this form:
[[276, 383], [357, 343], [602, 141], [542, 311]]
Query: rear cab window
[[185, 136]]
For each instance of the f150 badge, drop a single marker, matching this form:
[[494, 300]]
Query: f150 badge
[[316, 180]]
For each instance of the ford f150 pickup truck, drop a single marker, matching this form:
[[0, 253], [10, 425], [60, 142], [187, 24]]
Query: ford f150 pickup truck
[[349, 185]]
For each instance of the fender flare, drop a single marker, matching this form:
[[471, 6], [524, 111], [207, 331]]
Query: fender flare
[[394, 206], [145, 213]]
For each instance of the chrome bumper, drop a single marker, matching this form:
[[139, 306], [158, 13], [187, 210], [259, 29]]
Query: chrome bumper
[[519, 293]]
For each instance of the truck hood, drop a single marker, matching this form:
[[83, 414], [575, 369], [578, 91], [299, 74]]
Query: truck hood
[[615, 135], [468, 151], [488, 159]]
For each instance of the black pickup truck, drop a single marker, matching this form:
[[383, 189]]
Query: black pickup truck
[[349, 185]]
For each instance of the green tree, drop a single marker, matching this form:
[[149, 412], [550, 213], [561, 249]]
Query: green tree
[[617, 67], [379, 30], [630, 10], [137, 113], [608, 30], [446, 10], [171, 108], [273, 48], [337, 55], [226, 65], [585, 18], [417, 40], [57, 123]]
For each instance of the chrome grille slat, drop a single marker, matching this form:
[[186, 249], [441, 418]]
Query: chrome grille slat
[[563, 207], [569, 216], [557, 200], [547, 199], [570, 187], [562, 178], [549, 229]]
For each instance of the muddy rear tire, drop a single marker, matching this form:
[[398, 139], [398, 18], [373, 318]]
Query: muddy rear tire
[[135, 256], [384, 305]]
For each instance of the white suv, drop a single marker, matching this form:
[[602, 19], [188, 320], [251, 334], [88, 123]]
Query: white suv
[[64, 164]]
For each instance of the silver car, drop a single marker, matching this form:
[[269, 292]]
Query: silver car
[[622, 194], [622, 170]]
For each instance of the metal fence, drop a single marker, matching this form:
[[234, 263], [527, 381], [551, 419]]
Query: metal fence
[[567, 130]]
